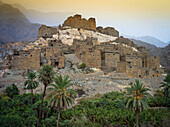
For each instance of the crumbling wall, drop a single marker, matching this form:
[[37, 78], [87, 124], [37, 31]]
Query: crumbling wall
[[111, 59], [108, 30], [77, 22], [92, 59], [47, 32], [153, 62], [28, 60]]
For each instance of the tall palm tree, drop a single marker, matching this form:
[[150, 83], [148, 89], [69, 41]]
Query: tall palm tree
[[166, 86], [46, 76], [31, 84], [137, 98], [60, 95]]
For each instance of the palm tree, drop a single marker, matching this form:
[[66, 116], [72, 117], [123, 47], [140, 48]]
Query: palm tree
[[60, 96], [46, 76], [137, 98], [31, 84], [166, 86]]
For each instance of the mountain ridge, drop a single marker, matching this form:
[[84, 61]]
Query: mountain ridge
[[148, 39], [48, 18], [15, 26]]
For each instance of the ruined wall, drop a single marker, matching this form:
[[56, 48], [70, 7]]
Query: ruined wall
[[132, 60], [152, 62], [92, 59], [121, 67], [108, 30], [28, 60], [125, 41], [47, 32], [54, 55], [77, 22], [111, 59]]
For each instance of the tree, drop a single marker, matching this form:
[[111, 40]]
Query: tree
[[166, 86], [60, 95], [31, 84], [12, 91], [46, 76], [137, 98]]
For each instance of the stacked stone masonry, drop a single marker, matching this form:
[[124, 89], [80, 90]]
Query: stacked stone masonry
[[77, 22], [118, 55]]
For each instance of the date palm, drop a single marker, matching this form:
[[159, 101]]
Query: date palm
[[46, 76], [137, 98], [60, 95], [31, 83], [166, 86]]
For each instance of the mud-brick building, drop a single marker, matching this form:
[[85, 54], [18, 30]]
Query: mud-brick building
[[118, 57], [33, 59], [28, 60]]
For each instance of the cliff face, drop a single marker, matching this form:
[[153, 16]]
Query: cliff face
[[14, 26], [77, 22]]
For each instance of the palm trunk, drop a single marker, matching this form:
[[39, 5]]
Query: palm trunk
[[31, 97], [45, 86], [58, 115], [137, 117], [46, 115]]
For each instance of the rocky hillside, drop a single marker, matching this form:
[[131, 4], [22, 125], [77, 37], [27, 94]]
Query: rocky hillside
[[14, 26], [165, 56], [163, 53], [155, 51]]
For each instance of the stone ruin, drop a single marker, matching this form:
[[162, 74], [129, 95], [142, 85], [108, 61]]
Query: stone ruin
[[119, 55], [77, 22]]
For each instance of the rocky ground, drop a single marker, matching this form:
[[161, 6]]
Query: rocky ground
[[89, 81]]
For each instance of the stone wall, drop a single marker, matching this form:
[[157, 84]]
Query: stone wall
[[28, 60], [111, 59], [108, 30], [47, 32], [77, 22], [92, 59], [153, 62]]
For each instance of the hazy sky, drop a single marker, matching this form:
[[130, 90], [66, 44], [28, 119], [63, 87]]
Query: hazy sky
[[131, 17]]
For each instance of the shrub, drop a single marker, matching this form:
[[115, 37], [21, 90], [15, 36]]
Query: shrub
[[83, 65], [12, 91], [11, 121], [159, 102]]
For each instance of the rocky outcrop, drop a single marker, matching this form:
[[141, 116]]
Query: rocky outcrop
[[108, 30], [68, 35], [77, 22], [47, 32]]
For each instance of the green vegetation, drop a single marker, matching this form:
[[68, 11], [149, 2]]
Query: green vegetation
[[12, 91], [137, 98], [60, 96], [54, 109], [46, 76], [30, 83], [83, 65], [166, 86]]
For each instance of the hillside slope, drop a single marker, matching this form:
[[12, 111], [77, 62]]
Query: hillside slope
[[163, 53], [14, 26], [149, 39], [48, 18]]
